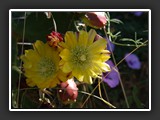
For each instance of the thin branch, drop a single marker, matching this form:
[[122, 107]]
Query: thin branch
[[24, 26]]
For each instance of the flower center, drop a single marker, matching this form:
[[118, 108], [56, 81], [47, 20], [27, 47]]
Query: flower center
[[46, 67], [83, 58], [80, 56]]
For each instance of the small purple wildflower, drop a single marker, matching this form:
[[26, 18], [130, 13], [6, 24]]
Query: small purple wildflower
[[138, 13], [133, 61], [110, 46], [112, 79]]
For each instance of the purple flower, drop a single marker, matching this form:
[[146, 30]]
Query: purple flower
[[112, 77], [110, 46], [137, 13], [133, 61]]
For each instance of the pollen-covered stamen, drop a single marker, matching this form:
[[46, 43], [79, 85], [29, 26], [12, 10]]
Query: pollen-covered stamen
[[83, 57], [80, 56], [46, 67]]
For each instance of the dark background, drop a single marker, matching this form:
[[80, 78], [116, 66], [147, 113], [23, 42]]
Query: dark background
[[83, 4]]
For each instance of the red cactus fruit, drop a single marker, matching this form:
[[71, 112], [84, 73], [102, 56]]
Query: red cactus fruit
[[68, 91], [95, 19]]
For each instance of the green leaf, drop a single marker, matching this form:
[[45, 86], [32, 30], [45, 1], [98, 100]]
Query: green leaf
[[14, 63], [116, 21], [15, 68], [107, 15], [30, 99], [127, 39], [135, 92], [14, 99], [14, 51], [14, 79]]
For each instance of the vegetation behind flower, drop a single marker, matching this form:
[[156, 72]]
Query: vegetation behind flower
[[78, 49]]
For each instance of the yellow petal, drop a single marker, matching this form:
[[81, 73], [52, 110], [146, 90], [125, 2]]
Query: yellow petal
[[96, 68], [61, 63], [104, 66], [64, 76], [28, 73], [96, 57], [53, 83], [76, 73], [91, 35], [32, 56], [65, 54], [66, 68], [106, 52], [23, 58], [39, 47], [49, 50], [92, 73], [104, 57], [30, 82], [43, 85], [80, 78], [83, 38], [88, 79], [98, 45], [62, 44], [27, 65], [70, 39]]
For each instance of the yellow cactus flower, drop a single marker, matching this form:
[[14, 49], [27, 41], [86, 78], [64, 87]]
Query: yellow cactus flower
[[41, 66], [83, 56]]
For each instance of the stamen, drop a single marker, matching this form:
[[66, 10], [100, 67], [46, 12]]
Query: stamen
[[46, 67], [83, 58], [80, 56]]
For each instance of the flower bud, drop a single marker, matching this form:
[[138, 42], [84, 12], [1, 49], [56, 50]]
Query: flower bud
[[95, 19], [54, 38], [68, 92]]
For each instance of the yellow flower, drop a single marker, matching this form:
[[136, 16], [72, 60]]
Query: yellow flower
[[84, 57], [41, 66]]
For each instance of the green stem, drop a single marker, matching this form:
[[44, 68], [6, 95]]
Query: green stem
[[54, 23], [109, 104], [24, 26], [114, 60], [105, 92]]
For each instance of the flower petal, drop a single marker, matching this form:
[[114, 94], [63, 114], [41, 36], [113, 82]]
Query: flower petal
[[104, 57], [91, 36], [39, 47], [30, 82], [66, 68], [65, 54], [53, 83], [41, 66], [88, 79], [77, 74], [64, 76], [104, 66], [83, 38], [98, 46], [70, 39]]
